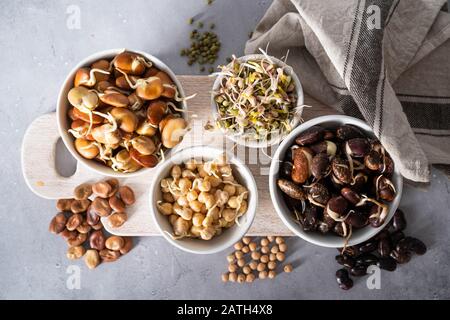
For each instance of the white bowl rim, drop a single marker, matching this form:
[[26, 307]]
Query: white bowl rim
[[67, 84], [250, 184], [300, 101], [329, 241]]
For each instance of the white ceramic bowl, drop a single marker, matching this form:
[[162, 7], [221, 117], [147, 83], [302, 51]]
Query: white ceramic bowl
[[325, 240], [275, 140], [63, 106], [228, 236]]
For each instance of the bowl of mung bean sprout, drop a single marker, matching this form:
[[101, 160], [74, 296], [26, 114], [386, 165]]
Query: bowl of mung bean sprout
[[257, 100]]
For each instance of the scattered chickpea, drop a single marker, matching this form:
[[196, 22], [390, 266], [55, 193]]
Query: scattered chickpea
[[253, 265], [282, 247], [264, 242], [225, 277], [261, 266], [272, 274], [241, 278], [241, 263], [230, 258], [272, 257], [280, 256], [250, 278], [238, 245], [264, 258], [256, 255], [246, 240], [288, 268], [232, 267], [239, 254], [262, 274], [271, 238], [246, 270], [265, 250], [274, 249], [279, 240], [252, 246], [175, 172], [232, 276], [245, 249], [272, 265]]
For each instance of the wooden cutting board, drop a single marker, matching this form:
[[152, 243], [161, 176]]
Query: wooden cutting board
[[38, 164]]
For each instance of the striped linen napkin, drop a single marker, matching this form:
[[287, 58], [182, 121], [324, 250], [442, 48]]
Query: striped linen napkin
[[384, 61]]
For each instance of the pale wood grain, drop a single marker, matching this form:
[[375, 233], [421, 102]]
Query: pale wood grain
[[38, 164]]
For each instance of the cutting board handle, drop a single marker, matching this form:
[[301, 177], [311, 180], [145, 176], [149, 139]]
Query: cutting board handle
[[39, 160]]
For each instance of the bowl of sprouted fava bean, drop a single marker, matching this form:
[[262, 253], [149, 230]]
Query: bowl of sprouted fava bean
[[203, 199], [333, 183], [121, 112], [257, 100]]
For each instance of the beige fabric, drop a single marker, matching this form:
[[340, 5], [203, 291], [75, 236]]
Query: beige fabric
[[396, 77]]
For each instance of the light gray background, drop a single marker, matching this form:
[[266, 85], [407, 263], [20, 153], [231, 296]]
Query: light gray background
[[37, 50]]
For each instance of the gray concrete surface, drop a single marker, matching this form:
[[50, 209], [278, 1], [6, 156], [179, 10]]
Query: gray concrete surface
[[37, 50]]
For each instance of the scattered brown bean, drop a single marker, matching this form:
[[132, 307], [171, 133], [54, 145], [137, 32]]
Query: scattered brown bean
[[91, 217], [83, 191], [114, 243], [116, 204], [98, 226], [117, 219], [101, 207], [92, 258], [84, 227], [109, 255], [127, 246], [102, 189], [114, 183], [79, 206], [58, 223], [63, 205], [66, 234], [74, 253], [127, 195], [97, 240], [74, 221], [79, 239]]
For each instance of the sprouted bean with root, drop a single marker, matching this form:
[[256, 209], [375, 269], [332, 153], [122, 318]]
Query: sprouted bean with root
[[337, 180], [125, 112], [201, 199], [256, 99]]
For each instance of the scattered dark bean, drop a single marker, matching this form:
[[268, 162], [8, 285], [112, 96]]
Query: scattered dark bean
[[343, 279], [367, 259], [345, 260], [402, 256], [399, 221], [384, 247], [368, 246], [387, 263], [358, 270], [417, 246]]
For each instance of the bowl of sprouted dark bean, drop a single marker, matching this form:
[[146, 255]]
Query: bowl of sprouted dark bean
[[333, 183]]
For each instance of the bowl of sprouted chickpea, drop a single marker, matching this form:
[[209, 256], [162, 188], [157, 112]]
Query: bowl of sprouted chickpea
[[203, 200], [121, 112], [257, 100]]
